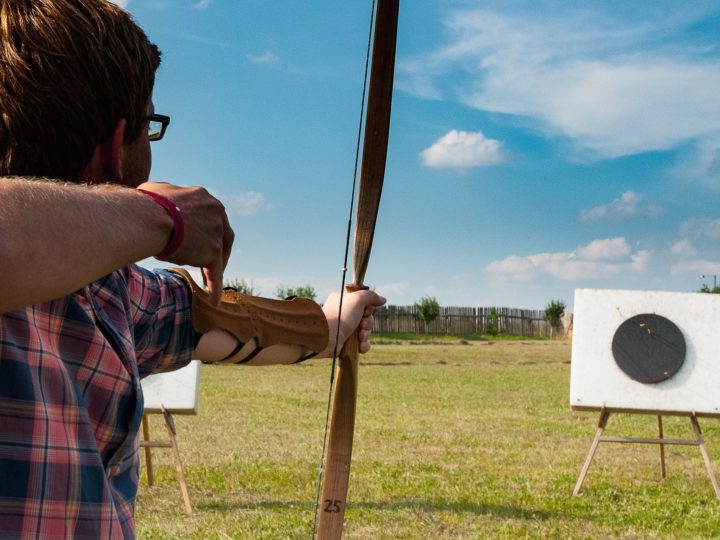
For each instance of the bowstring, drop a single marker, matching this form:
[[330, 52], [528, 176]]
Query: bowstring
[[361, 124]]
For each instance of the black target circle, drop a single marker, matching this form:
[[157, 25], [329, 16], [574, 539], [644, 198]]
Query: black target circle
[[649, 348]]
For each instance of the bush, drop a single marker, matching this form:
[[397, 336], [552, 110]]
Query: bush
[[706, 289], [308, 291], [241, 286], [492, 327], [428, 309], [554, 312]]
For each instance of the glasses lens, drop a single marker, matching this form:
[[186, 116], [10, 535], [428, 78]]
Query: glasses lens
[[155, 129]]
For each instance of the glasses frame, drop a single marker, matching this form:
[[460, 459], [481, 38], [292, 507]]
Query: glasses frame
[[163, 120]]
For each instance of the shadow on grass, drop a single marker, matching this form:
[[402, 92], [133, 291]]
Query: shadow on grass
[[457, 507]]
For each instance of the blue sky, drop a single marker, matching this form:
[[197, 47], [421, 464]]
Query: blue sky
[[535, 146]]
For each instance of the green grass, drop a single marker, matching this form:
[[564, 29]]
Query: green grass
[[380, 337], [453, 440]]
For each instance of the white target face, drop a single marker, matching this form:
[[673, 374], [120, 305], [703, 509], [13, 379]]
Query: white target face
[[178, 391], [646, 351]]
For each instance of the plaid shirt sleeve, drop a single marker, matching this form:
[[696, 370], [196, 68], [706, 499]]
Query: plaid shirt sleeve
[[162, 328], [71, 402]]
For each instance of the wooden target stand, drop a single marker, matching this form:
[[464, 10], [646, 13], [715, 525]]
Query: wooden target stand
[[646, 352], [170, 443], [600, 437], [175, 392]]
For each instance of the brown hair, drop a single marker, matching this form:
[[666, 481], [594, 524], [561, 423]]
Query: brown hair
[[69, 71]]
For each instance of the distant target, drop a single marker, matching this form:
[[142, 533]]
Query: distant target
[[649, 348]]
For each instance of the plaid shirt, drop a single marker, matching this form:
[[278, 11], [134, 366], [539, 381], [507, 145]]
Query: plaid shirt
[[71, 402]]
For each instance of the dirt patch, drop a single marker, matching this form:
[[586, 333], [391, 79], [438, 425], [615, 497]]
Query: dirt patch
[[386, 364], [420, 342]]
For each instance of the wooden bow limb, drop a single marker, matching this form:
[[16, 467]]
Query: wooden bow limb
[[377, 125]]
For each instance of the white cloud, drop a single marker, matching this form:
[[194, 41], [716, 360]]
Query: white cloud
[[463, 150], [202, 4], [609, 85], [702, 164], [267, 57], [122, 3], [607, 249], [598, 259], [522, 268], [244, 204], [683, 248], [696, 237], [701, 229], [696, 266], [640, 260], [628, 205], [399, 288]]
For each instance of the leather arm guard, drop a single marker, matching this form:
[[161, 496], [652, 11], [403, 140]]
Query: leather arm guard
[[259, 324]]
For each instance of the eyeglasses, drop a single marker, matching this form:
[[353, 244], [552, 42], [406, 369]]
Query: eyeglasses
[[157, 124]]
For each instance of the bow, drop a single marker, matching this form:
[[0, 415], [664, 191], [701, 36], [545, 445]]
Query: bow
[[377, 126]]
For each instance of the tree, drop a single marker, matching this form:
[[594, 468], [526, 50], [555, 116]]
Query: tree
[[241, 286], [428, 309], [706, 289], [554, 312], [307, 291], [491, 323]]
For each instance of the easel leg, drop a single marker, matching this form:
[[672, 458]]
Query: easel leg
[[602, 422], [148, 454], [170, 425], [706, 457], [662, 448]]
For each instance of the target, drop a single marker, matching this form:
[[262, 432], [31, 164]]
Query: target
[[177, 391], [649, 348], [646, 351]]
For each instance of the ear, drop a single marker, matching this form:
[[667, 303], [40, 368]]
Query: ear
[[106, 162], [113, 150]]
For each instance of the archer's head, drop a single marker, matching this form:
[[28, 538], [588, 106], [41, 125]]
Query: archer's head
[[76, 80]]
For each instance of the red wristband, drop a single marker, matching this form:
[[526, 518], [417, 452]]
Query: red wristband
[[178, 224]]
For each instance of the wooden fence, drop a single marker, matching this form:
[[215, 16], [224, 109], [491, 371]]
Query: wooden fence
[[463, 320]]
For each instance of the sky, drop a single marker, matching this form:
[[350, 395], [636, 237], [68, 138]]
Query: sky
[[536, 147]]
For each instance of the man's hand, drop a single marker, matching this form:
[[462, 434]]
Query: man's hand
[[357, 314], [208, 235]]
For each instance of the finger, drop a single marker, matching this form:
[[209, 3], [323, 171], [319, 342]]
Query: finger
[[213, 278], [228, 239], [367, 323]]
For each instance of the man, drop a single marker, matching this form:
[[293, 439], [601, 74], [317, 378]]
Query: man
[[80, 324]]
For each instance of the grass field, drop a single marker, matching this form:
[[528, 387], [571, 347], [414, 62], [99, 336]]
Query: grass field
[[453, 440]]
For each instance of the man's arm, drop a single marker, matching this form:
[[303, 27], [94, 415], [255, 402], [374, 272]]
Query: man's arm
[[221, 346], [56, 237]]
